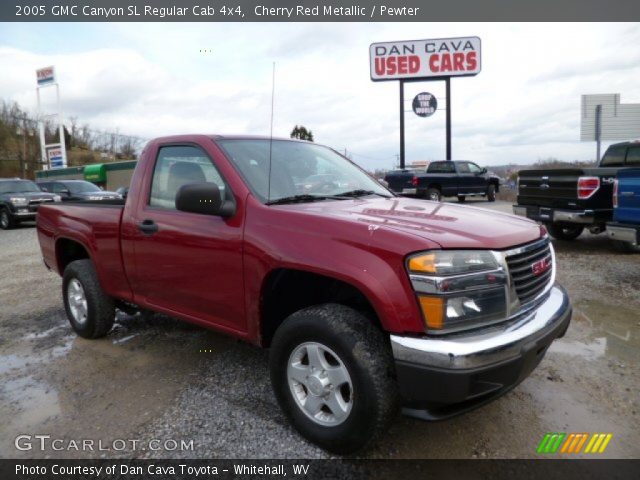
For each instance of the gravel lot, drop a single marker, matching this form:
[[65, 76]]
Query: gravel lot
[[151, 379]]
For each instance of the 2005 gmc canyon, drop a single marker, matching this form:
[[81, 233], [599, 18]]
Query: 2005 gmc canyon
[[367, 301]]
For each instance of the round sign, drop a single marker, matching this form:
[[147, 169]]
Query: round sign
[[424, 104]]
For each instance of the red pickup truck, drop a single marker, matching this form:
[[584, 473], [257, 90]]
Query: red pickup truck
[[367, 301]]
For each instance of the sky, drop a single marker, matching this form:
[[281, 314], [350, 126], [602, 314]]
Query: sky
[[153, 79]]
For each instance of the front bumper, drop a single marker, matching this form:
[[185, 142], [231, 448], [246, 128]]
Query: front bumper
[[441, 377], [625, 233], [555, 215]]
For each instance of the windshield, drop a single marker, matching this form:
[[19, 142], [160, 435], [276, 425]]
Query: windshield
[[18, 186], [298, 169], [82, 187]]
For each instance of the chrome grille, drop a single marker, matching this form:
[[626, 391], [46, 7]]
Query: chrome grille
[[527, 282], [34, 204]]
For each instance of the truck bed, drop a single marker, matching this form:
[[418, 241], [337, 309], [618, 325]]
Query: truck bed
[[94, 224]]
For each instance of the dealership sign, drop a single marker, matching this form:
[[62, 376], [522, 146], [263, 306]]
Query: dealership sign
[[442, 57], [45, 76]]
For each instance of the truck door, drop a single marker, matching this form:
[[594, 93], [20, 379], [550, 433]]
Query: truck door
[[466, 179], [478, 182], [187, 263]]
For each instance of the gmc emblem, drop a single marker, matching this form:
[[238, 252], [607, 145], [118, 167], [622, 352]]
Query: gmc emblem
[[541, 266]]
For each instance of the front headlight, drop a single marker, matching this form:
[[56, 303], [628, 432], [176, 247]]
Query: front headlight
[[450, 262], [19, 200], [57, 198], [458, 289]]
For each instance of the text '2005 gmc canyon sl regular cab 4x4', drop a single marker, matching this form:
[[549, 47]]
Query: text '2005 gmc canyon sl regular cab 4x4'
[[367, 301]]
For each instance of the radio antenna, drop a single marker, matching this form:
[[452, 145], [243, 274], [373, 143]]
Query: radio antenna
[[273, 89]]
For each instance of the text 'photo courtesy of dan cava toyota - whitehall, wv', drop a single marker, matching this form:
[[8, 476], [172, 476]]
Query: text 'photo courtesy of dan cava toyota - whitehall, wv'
[[328, 247]]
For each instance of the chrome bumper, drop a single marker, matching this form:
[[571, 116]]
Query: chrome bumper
[[490, 345]]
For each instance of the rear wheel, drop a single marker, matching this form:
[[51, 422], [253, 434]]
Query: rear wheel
[[434, 194], [564, 232], [6, 222], [89, 310], [461, 198], [332, 374], [491, 193]]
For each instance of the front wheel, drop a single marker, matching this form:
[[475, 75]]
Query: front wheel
[[333, 375], [461, 198], [491, 193], [564, 232], [6, 222], [90, 311]]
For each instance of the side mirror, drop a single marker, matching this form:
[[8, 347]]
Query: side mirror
[[205, 198], [483, 171]]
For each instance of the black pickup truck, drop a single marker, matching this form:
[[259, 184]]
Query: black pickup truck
[[569, 200], [19, 201], [445, 179]]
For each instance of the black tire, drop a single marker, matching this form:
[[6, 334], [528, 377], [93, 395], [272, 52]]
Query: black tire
[[434, 194], [491, 193], [564, 232], [625, 247], [100, 308], [6, 220], [362, 349], [461, 198]]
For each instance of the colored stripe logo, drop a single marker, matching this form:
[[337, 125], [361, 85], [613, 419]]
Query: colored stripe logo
[[574, 443]]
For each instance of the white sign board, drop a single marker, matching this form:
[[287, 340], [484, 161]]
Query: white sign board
[[618, 121], [45, 76], [441, 57], [55, 157]]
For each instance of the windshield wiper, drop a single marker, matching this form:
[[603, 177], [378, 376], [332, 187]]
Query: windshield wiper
[[297, 199], [359, 193]]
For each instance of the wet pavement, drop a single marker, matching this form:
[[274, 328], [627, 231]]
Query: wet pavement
[[155, 378]]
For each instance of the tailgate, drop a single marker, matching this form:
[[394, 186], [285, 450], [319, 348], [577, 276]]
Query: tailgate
[[628, 210], [549, 188], [399, 181]]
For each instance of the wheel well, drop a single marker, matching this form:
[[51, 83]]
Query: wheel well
[[67, 251], [495, 183], [286, 291]]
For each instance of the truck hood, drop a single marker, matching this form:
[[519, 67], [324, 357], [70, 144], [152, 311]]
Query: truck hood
[[449, 225]]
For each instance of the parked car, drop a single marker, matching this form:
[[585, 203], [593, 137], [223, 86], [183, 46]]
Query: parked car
[[19, 201], [625, 227], [445, 179], [77, 190], [569, 200], [366, 300]]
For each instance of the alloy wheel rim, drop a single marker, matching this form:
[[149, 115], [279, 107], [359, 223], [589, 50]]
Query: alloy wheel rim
[[77, 301], [320, 384], [4, 219]]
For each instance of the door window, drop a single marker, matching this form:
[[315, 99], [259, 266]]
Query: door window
[[473, 168], [177, 166], [614, 156], [463, 167], [633, 156]]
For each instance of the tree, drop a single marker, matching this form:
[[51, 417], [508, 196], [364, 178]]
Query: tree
[[301, 133]]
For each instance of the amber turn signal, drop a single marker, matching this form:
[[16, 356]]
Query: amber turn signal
[[432, 311], [423, 263]]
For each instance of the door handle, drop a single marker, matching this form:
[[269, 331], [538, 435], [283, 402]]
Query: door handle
[[148, 227]]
